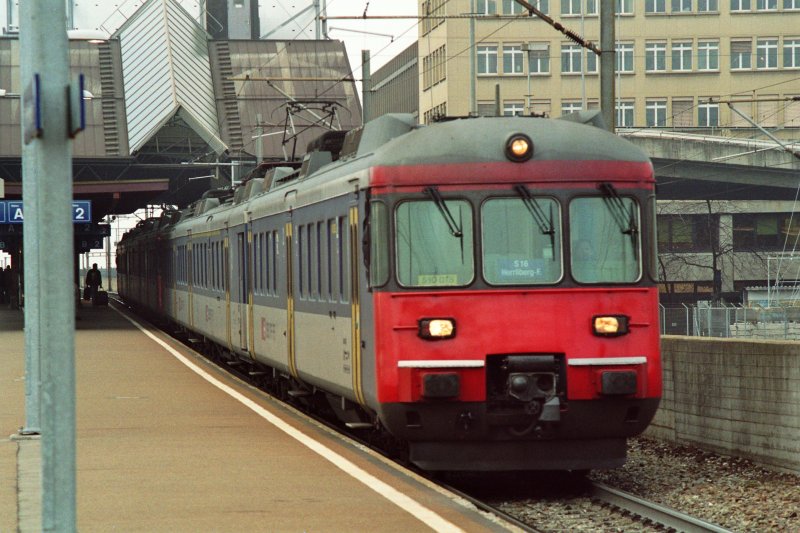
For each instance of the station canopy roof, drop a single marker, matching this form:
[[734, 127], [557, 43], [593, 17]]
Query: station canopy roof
[[171, 112]]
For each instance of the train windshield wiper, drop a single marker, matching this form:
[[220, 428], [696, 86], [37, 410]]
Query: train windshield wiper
[[544, 222], [452, 225], [617, 209]]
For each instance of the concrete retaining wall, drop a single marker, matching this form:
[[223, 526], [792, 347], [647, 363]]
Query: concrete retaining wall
[[732, 396]]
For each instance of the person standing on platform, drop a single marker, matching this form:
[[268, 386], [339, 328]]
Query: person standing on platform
[[11, 282], [3, 296], [93, 280]]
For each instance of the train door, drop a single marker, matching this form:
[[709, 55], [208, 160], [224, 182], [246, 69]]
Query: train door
[[355, 305], [290, 299], [242, 287]]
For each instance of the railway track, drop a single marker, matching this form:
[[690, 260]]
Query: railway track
[[665, 517], [627, 506]]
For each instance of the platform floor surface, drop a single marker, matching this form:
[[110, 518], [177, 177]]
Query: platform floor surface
[[162, 446]]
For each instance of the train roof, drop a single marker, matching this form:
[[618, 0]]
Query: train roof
[[396, 140]]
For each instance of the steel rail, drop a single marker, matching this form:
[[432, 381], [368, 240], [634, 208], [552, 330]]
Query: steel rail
[[660, 514]]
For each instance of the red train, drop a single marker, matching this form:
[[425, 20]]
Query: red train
[[481, 289]]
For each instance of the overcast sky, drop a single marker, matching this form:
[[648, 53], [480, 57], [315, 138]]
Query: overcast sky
[[397, 34]]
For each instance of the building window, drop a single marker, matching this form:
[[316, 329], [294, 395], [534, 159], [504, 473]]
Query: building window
[[624, 114], [570, 7], [656, 113], [708, 115], [591, 61], [538, 58], [707, 6], [764, 231], [571, 58], [624, 7], [687, 233], [541, 5], [513, 109], [767, 5], [791, 53], [741, 54], [740, 5], [767, 53], [791, 4], [571, 107], [510, 7], [655, 6], [655, 57], [624, 57], [486, 7], [487, 59], [681, 6], [591, 7], [512, 59], [708, 55], [682, 56], [682, 113], [486, 109]]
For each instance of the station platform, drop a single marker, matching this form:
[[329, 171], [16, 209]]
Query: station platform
[[168, 442]]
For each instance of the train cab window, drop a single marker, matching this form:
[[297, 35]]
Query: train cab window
[[605, 241], [521, 241], [378, 244], [434, 243]]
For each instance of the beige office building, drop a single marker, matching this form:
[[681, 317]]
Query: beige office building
[[678, 62]]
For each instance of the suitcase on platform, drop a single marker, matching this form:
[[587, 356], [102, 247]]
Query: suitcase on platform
[[87, 293], [100, 298]]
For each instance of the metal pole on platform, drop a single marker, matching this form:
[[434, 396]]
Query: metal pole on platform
[[47, 193], [31, 253], [607, 65]]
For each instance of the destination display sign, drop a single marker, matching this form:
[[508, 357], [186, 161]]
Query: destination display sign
[[11, 211]]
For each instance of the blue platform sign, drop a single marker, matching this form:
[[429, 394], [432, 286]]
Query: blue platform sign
[[11, 212], [14, 212]]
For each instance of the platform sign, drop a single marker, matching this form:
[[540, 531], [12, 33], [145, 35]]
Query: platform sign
[[14, 212], [77, 107], [32, 110], [81, 211], [11, 212]]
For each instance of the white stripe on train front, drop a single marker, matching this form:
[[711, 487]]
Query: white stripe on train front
[[607, 361], [448, 363]]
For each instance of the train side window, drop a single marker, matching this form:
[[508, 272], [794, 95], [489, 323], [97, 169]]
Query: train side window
[[274, 262], [257, 263], [312, 262], [378, 244], [329, 258], [301, 230], [343, 259]]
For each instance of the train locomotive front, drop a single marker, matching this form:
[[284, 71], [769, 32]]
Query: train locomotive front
[[483, 289], [512, 270]]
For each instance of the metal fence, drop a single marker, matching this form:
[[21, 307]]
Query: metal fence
[[705, 320]]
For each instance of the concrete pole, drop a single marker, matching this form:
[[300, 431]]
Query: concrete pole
[[47, 192], [473, 69], [31, 253], [317, 20], [366, 87], [607, 64]]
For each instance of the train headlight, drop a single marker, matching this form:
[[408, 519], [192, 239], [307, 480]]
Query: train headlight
[[610, 325], [519, 148], [437, 328]]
